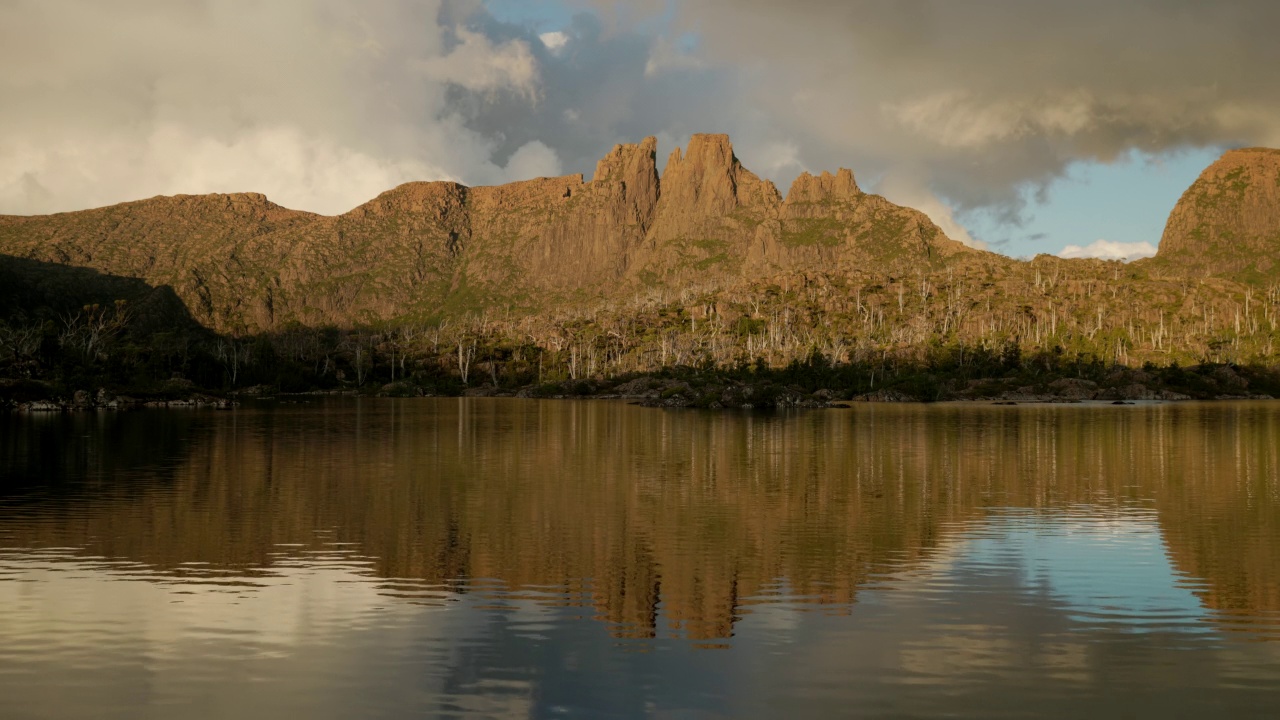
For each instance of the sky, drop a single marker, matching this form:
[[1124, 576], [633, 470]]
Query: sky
[[1023, 126]]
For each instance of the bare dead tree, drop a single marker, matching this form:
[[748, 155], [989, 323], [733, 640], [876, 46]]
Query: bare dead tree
[[466, 354], [92, 328]]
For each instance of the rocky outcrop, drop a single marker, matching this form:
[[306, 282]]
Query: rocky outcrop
[[717, 219], [431, 249], [705, 184], [630, 174], [808, 190], [553, 236], [712, 216], [1228, 222], [827, 221]]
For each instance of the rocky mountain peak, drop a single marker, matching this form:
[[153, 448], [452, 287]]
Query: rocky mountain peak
[[704, 183], [628, 161], [824, 188], [629, 176], [703, 179]]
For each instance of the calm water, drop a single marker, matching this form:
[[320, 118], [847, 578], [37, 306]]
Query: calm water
[[512, 558]]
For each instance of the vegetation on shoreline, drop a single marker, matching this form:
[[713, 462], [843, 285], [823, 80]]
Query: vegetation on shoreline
[[1046, 329]]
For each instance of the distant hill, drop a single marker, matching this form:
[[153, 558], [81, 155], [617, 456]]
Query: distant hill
[[432, 250]]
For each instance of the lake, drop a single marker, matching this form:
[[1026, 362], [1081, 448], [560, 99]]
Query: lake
[[342, 558]]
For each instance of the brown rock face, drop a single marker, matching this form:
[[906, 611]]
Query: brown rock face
[[827, 221], [432, 249], [631, 174], [537, 240], [808, 189], [1228, 222], [715, 219], [705, 184]]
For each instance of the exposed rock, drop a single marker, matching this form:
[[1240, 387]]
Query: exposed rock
[[241, 263], [706, 183], [81, 400], [1229, 379], [400, 389], [1138, 391], [639, 387], [1074, 389], [1228, 222], [885, 396], [40, 406], [811, 189]]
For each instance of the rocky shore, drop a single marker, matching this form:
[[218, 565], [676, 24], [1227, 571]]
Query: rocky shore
[[30, 397], [712, 391], [708, 389]]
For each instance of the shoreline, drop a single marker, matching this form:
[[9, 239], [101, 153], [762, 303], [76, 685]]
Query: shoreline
[[49, 407], [648, 391]]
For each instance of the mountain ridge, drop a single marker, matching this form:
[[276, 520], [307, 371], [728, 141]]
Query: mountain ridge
[[702, 286], [246, 264]]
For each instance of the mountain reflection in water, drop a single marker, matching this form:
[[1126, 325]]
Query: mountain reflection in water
[[522, 558]]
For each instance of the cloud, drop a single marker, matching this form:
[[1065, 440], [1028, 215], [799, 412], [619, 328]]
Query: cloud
[[555, 41], [477, 63], [986, 98], [669, 56], [321, 105], [593, 93], [284, 162], [532, 160], [1108, 250], [953, 107]]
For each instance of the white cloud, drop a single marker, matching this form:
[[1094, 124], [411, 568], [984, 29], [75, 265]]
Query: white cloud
[[555, 41], [532, 160], [1108, 250], [477, 63], [959, 121], [292, 167], [318, 104]]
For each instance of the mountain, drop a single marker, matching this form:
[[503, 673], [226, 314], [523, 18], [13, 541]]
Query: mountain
[[1228, 222], [437, 249], [703, 279]]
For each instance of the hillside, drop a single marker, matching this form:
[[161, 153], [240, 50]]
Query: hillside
[[1228, 222], [433, 250]]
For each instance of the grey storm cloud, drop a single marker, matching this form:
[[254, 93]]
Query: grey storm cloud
[[981, 97], [322, 104]]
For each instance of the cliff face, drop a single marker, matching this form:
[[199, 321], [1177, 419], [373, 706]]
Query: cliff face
[[543, 238], [242, 263], [717, 219], [1228, 222]]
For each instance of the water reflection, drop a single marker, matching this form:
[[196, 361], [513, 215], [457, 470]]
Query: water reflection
[[515, 558]]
